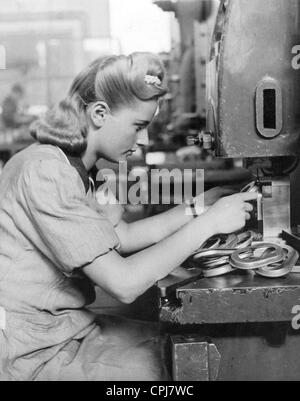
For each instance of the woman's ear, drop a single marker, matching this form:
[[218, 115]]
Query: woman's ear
[[98, 113]]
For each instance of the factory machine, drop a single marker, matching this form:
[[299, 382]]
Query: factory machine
[[190, 49], [244, 325], [253, 99]]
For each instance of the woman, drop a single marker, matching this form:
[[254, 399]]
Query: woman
[[57, 241]]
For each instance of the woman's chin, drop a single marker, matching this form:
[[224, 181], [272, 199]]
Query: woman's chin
[[117, 158], [112, 159]]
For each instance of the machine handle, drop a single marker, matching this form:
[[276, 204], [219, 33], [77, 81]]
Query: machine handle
[[269, 111]]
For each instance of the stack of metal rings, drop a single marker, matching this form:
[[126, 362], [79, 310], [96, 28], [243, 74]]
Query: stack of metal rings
[[214, 255], [218, 257], [267, 260]]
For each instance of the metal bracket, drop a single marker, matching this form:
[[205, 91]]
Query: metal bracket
[[195, 359]]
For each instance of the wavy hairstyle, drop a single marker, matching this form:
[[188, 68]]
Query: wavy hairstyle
[[118, 81]]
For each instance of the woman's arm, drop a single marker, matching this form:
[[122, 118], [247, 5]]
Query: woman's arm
[[142, 234], [147, 232], [128, 278]]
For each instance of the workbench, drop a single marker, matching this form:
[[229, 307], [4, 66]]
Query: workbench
[[235, 327]]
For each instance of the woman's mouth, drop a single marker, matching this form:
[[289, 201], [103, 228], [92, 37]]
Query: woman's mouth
[[130, 152]]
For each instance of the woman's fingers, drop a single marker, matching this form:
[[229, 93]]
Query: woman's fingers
[[248, 216], [248, 196], [231, 213], [227, 191], [248, 207]]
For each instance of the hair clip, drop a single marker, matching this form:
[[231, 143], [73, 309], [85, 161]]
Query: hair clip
[[82, 100], [152, 80]]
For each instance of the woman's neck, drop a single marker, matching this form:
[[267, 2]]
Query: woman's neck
[[89, 160], [89, 157]]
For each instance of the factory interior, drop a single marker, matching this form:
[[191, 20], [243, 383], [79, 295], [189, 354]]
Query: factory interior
[[231, 311]]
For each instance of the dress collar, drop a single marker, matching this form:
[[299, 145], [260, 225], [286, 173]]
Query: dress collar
[[77, 163]]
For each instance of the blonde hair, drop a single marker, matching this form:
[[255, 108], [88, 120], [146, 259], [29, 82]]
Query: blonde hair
[[118, 81]]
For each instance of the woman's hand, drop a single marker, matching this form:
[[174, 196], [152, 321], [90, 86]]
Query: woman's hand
[[213, 195], [230, 214]]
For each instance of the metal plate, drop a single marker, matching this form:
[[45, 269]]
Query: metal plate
[[236, 298]]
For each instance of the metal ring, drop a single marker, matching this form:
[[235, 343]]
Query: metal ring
[[250, 262], [245, 240], [215, 262], [283, 269], [277, 273], [221, 271], [207, 245], [230, 242], [212, 243], [214, 253]]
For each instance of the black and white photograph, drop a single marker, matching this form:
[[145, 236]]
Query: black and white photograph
[[149, 193]]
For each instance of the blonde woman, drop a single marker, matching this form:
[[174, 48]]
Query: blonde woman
[[57, 242]]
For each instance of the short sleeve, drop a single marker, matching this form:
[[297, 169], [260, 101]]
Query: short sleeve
[[109, 205], [61, 223]]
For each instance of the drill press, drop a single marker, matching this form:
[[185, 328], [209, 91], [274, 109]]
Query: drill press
[[253, 99], [242, 323]]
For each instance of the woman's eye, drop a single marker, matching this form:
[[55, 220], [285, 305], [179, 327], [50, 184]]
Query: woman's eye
[[138, 129]]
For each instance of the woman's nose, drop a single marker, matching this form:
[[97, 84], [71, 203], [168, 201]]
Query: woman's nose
[[143, 138]]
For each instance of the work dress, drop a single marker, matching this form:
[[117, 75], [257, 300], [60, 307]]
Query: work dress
[[50, 229]]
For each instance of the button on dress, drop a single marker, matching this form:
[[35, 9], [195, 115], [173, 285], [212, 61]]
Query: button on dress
[[50, 229]]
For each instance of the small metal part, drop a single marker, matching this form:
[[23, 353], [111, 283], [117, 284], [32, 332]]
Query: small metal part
[[243, 240], [194, 359], [192, 140], [245, 244], [251, 187], [204, 139], [212, 243], [212, 263], [207, 140], [281, 269], [276, 209], [260, 208], [267, 191], [215, 262], [213, 253], [245, 259], [267, 259], [217, 272]]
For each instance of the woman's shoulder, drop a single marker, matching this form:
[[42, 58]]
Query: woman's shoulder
[[40, 152], [40, 163]]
